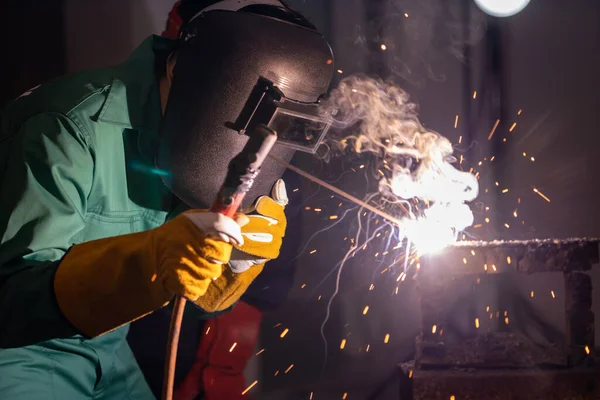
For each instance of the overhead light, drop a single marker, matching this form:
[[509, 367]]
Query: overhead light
[[502, 8]]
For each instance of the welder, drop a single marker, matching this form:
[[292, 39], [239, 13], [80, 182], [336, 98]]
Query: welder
[[106, 178]]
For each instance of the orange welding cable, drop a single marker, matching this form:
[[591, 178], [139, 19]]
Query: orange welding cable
[[172, 345]]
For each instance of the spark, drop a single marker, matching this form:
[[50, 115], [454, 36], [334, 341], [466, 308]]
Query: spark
[[249, 387], [487, 220], [285, 332], [506, 320], [318, 210], [319, 298], [524, 154], [307, 208], [587, 350], [386, 338], [504, 139], [343, 344], [456, 122], [508, 260], [492, 159], [485, 267], [492, 133], [515, 213], [406, 15], [366, 310], [477, 323], [475, 94], [311, 396], [340, 71], [276, 373], [497, 184], [552, 293], [505, 191], [401, 277], [295, 190], [491, 315], [464, 260], [368, 347], [207, 330], [313, 251], [518, 200], [533, 159], [461, 159], [505, 313], [494, 267], [487, 309], [345, 396], [371, 287], [532, 293], [512, 127], [541, 195], [452, 397], [289, 369], [507, 226], [473, 253], [460, 139], [333, 217], [410, 374], [519, 112], [383, 47], [433, 328], [303, 286]]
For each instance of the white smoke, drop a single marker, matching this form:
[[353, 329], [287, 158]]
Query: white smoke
[[418, 161]]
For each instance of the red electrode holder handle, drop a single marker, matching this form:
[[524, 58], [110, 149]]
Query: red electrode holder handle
[[241, 173]]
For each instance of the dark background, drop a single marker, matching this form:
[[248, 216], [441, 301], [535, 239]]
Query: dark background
[[544, 61]]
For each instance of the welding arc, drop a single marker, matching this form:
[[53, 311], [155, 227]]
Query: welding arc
[[337, 191]]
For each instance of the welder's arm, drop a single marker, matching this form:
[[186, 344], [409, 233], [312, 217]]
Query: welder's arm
[[47, 292], [263, 237], [46, 172]]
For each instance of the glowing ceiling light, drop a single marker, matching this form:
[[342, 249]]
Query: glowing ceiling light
[[502, 8]]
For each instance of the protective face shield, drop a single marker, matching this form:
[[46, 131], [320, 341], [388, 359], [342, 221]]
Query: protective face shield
[[235, 70]]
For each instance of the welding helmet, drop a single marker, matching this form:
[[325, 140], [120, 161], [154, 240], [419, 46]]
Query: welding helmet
[[241, 64]]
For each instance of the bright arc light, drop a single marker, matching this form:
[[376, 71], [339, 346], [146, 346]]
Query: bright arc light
[[438, 227], [502, 8]]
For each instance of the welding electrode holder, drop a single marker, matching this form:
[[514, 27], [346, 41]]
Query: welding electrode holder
[[243, 170], [241, 173]]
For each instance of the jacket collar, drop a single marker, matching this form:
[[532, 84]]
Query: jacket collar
[[133, 100]]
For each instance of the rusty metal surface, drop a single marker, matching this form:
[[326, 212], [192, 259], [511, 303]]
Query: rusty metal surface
[[569, 384], [478, 257], [489, 350]]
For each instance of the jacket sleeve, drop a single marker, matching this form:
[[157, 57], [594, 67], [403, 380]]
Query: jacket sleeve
[[46, 172]]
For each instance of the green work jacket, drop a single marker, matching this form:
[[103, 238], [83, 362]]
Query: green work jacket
[[76, 164]]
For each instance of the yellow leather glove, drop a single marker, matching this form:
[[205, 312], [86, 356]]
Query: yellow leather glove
[[104, 284], [263, 235]]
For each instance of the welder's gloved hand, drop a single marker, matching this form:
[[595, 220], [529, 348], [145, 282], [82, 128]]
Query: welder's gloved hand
[[103, 284], [263, 235]]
